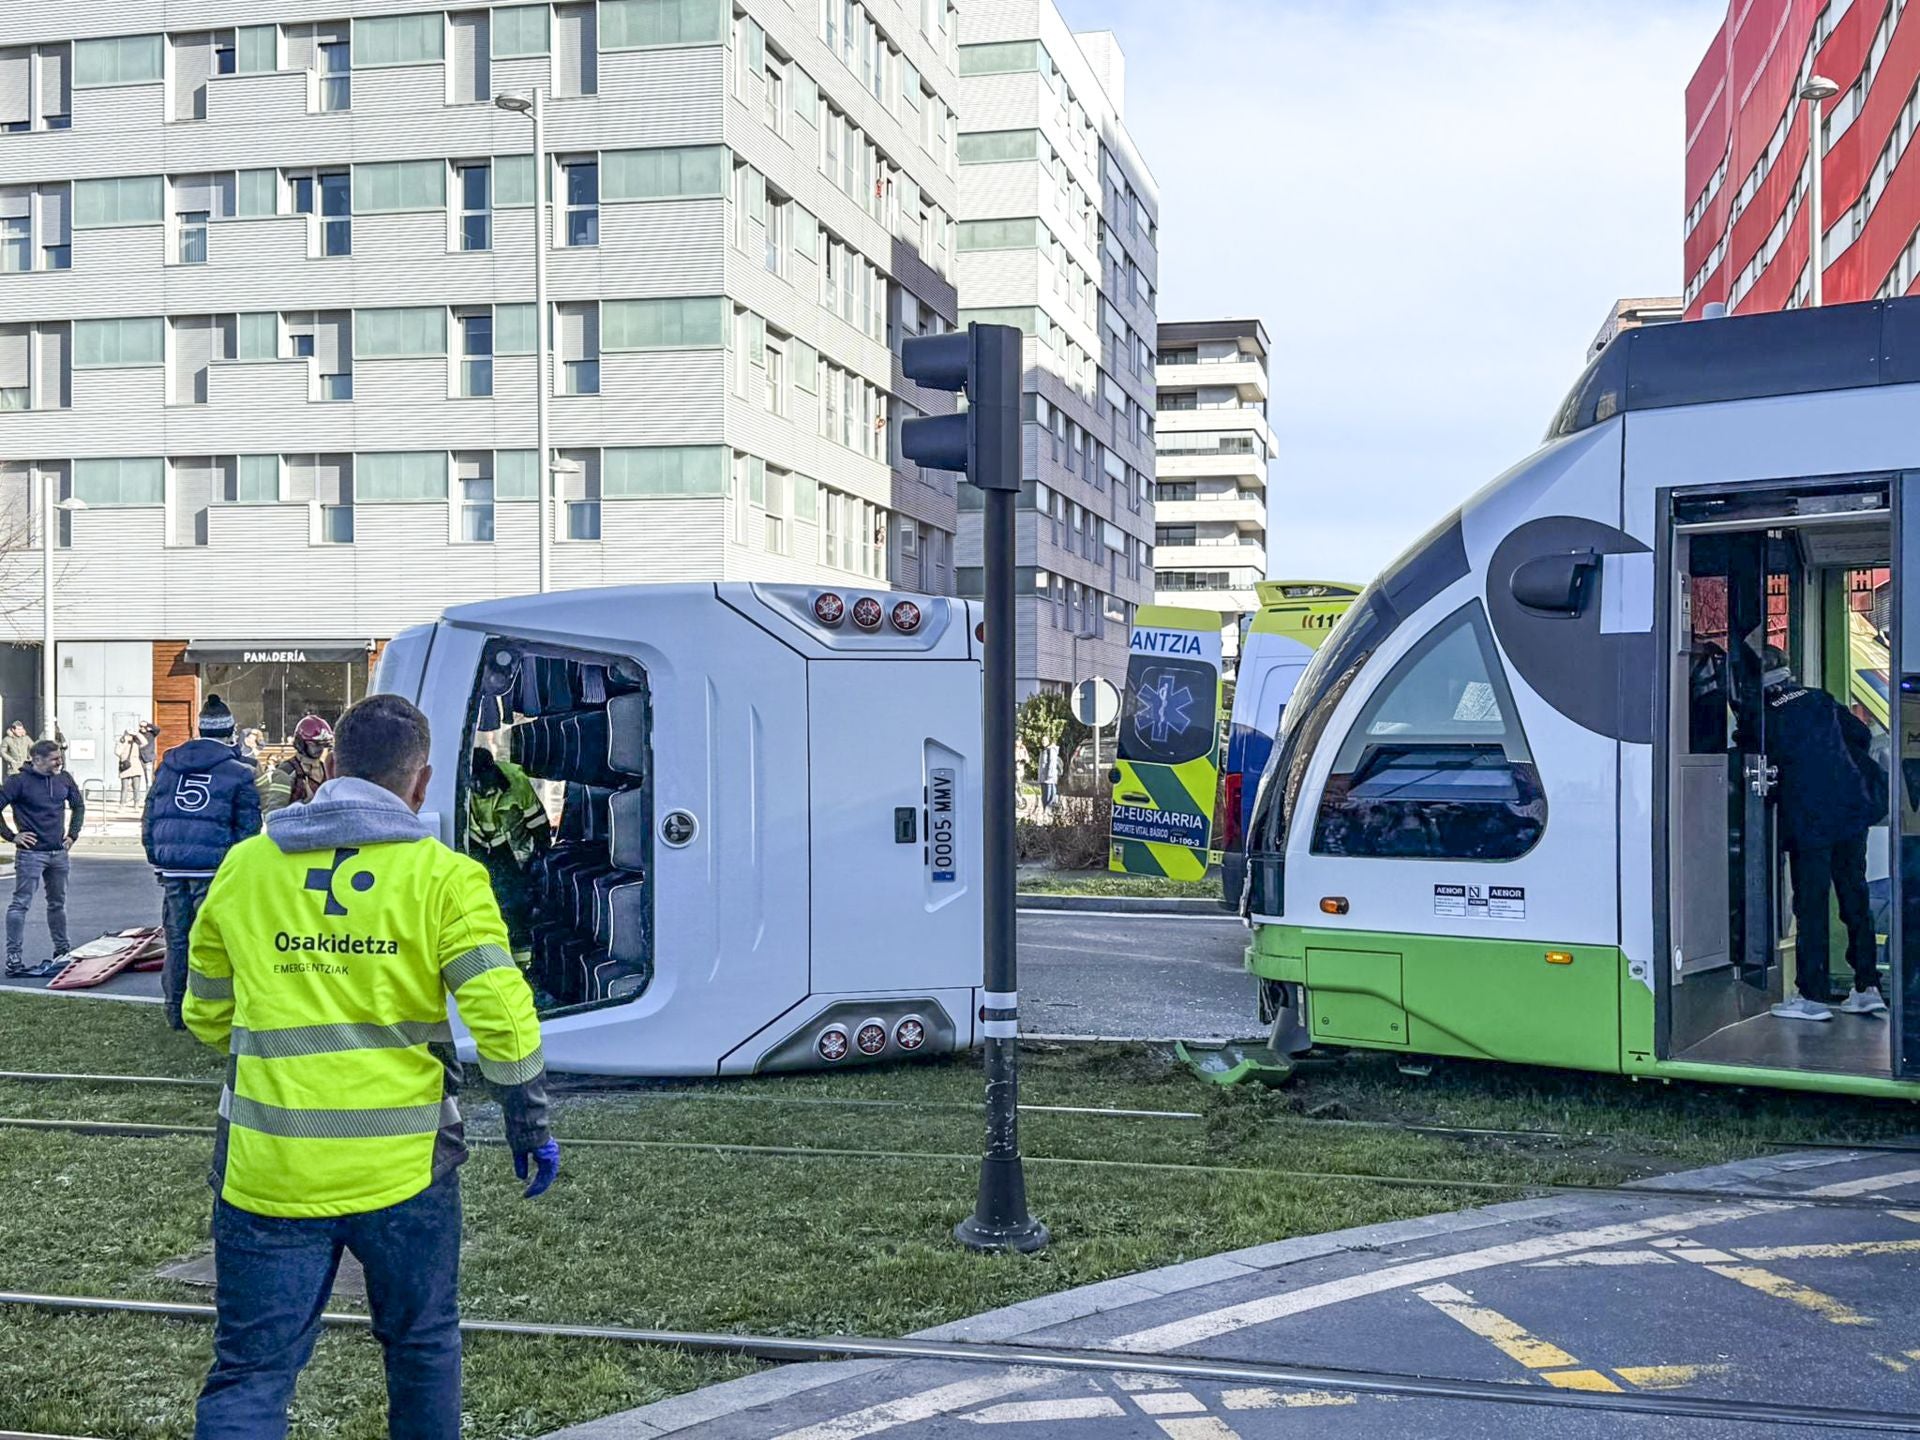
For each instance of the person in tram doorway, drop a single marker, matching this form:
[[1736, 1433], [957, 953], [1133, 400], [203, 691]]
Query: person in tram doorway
[[507, 827], [296, 779], [1049, 777], [1831, 792], [322, 961], [16, 748], [203, 803], [48, 811]]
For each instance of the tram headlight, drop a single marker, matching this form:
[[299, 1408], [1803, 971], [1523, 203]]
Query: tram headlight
[[832, 1044], [871, 1038], [905, 616], [868, 613], [829, 608], [910, 1033]]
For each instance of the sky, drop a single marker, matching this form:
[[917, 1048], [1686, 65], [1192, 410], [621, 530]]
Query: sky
[[1432, 204]]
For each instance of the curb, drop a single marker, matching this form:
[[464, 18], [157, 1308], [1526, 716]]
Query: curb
[[1125, 904], [769, 1387]]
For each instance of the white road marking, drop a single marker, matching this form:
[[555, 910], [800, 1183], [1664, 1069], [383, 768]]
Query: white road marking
[[1606, 1257], [1867, 1185], [1027, 1412], [1200, 1427], [1169, 1402], [1210, 1324], [942, 1400], [1259, 1397]]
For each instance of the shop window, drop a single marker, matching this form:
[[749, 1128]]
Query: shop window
[[271, 686], [1436, 766]]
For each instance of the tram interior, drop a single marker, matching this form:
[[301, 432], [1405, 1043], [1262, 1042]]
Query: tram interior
[[1821, 592], [579, 726]]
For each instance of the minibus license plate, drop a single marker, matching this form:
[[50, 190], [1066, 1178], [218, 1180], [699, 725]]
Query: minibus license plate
[[943, 852]]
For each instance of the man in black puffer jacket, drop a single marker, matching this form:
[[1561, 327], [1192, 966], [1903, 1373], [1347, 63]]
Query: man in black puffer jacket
[[203, 803], [1831, 793]]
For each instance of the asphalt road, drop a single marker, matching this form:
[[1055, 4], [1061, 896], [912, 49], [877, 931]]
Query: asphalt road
[[1081, 973]]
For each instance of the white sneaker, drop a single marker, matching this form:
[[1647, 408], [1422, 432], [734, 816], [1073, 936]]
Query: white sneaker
[[1801, 1008], [1864, 1002]]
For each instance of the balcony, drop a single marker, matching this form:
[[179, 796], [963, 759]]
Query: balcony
[[1215, 555], [1245, 374], [1248, 512]]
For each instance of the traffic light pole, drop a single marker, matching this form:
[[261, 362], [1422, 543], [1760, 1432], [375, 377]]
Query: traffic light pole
[[982, 442]]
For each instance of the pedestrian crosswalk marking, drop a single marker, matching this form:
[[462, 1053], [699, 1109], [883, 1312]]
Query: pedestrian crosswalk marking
[[1027, 1412]]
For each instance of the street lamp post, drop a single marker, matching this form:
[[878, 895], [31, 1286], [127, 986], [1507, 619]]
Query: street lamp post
[[1817, 88], [535, 108]]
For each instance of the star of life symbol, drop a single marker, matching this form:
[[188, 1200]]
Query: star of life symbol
[[1161, 710]]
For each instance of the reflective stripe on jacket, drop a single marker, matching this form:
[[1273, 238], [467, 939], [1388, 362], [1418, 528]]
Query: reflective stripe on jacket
[[511, 818], [326, 973]]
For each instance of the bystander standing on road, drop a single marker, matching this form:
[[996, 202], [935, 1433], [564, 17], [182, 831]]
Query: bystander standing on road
[[324, 956], [48, 811], [149, 752], [202, 804], [16, 748], [126, 755], [1049, 778]]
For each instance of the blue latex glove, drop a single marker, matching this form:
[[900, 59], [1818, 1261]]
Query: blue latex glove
[[546, 1165]]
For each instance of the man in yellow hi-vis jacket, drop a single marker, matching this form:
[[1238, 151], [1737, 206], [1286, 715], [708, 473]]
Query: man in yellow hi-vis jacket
[[322, 961]]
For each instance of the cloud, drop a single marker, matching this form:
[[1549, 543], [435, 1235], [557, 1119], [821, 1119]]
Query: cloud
[[1431, 204]]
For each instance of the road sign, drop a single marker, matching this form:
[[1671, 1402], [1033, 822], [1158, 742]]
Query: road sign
[[1096, 703]]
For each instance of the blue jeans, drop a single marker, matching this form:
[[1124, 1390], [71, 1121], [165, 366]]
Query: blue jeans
[[182, 897], [28, 868], [274, 1277]]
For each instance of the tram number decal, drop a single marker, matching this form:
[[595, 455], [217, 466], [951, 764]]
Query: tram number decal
[[1480, 902], [943, 853]]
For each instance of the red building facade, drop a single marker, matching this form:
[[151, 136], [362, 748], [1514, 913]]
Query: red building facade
[[1747, 228]]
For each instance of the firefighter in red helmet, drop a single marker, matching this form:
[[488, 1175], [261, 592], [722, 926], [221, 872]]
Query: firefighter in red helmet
[[295, 779]]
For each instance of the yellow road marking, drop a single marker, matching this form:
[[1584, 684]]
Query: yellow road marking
[[1579, 1380], [1768, 1283], [1899, 1367], [1666, 1377], [1261, 1398], [1507, 1336], [1829, 1252]]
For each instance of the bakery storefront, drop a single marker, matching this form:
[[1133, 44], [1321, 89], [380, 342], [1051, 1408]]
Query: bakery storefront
[[271, 684]]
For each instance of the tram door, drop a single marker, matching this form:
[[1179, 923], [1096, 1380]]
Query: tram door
[[1754, 622]]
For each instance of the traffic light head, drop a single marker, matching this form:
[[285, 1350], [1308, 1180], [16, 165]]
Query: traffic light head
[[982, 441]]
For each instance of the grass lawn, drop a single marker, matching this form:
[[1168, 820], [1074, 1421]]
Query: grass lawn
[[694, 1239], [1156, 887]]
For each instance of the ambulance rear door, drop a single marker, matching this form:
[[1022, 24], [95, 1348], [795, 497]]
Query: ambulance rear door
[[895, 746]]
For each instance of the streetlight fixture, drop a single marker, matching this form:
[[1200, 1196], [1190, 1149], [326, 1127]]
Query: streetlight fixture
[[534, 108], [1817, 88], [48, 675]]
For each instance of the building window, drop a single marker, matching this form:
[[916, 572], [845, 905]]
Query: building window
[[330, 195], [582, 202], [336, 524], [476, 354], [577, 489], [476, 509], [476, 207], [337, 387], [334, 84], [577, 344], [16, 243], [193, 237], [776, 378]]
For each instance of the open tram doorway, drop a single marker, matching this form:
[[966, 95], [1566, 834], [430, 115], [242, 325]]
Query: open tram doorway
[[1807, 573]]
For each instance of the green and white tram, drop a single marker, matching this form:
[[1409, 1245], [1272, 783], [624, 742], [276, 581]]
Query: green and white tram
[[1519, 806]]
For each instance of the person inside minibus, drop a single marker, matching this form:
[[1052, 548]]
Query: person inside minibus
[[1831, 791]]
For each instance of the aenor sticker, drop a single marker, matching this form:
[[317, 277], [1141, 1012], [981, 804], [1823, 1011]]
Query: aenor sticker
[[1506, 902], [1480, 902]]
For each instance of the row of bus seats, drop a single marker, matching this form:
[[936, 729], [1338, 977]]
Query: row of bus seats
[[589, 729]]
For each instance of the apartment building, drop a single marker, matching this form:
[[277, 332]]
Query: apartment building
[[1747, 236], [1214, 446], [1058, 235], [267, 322]]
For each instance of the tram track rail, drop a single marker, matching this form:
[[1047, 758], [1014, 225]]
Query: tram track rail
[[787, 1349], [566, 1090], [1637, 1190]]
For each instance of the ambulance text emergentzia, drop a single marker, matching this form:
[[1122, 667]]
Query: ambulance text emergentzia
[[1166, 642]]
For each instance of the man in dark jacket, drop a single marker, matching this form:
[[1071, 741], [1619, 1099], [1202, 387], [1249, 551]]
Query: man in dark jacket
[[1831, 792], [202, 804], [41, 797]]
